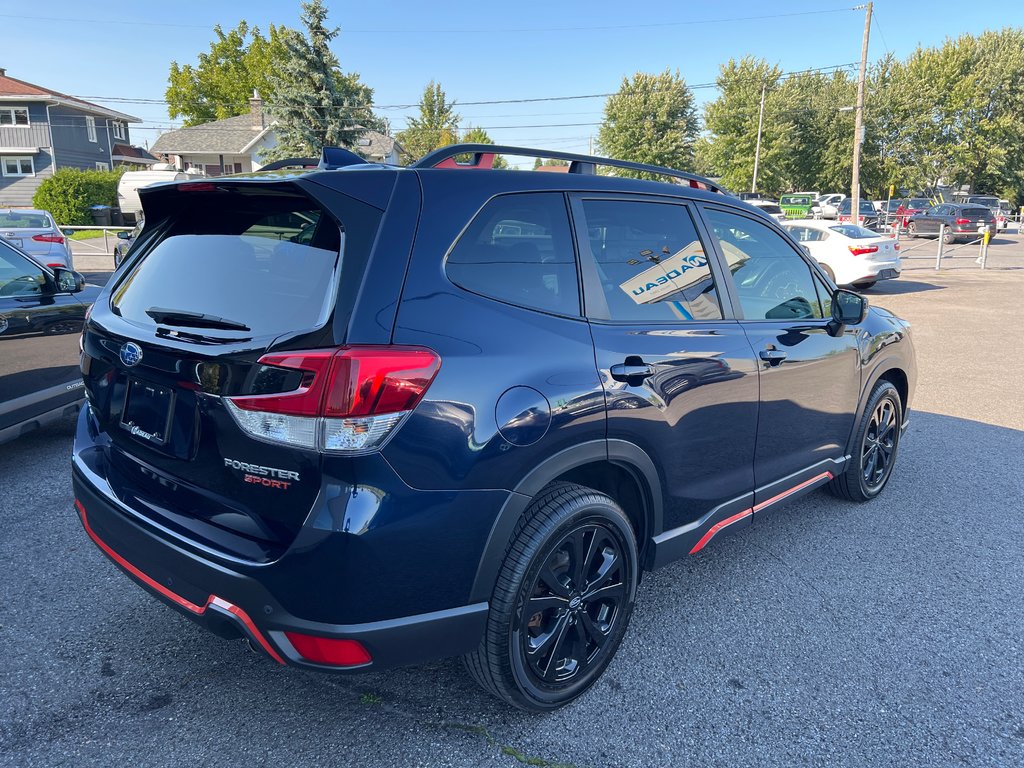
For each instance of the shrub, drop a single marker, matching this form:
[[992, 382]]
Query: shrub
[[68, 194]]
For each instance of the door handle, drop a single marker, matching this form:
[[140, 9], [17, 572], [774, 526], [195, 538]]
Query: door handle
[[633, 371], [772, 356]]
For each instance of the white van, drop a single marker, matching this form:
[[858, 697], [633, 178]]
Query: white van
[[130, 183]]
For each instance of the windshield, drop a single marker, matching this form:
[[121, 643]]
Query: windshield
[[770, 208], [236, 259], [22, 220], [854, 232], [918, 202]]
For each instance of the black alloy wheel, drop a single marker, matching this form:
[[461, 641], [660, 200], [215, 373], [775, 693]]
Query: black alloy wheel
[[879, 446], [874, 447], [571, 605], [562, 601]]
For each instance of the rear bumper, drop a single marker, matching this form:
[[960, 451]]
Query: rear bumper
[[232, 604]]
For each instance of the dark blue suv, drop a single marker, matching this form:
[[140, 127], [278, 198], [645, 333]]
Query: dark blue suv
[[365, 416]]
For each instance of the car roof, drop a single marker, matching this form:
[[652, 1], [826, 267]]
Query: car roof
[[24, 210]]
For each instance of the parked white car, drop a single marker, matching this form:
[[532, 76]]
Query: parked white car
[[769, 207], [827, 206], [851, 255]]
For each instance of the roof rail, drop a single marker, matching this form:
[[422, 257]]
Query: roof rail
[[483, 159], [291, 162]]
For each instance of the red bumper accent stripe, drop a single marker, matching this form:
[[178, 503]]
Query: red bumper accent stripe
[[174, 597], [756, 508]]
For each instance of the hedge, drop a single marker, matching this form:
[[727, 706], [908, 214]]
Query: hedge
[[68, 194]]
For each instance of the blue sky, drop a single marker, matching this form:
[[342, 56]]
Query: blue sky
[[477, 51]]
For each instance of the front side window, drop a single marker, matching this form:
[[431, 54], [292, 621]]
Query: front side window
[[90, 128], [17, 166], [650, 261], [18, 275], [772, 280], [519, 250]]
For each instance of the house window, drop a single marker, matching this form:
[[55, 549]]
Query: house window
[[118, 130], [90, 128], [18, 166], [14, 116], [102, 167]]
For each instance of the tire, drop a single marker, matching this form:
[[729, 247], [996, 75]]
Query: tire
[[856, 482], [562, 521], [912, 229], [948, 237], [829, 272]]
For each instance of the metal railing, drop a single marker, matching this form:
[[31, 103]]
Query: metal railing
[[106, 233]]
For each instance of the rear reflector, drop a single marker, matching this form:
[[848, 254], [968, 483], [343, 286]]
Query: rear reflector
[[49, 239], [326, 650], [350, 399], [860, 250]]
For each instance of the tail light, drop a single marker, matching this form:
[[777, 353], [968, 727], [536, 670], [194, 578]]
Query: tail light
[[349, 400], [59, 239], [963, 221], [896, 246], [860, 250]]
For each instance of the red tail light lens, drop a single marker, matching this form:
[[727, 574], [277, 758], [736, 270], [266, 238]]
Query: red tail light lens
[[350, 399], [963, 221], [328, 650], [860, 250], [59, 239]]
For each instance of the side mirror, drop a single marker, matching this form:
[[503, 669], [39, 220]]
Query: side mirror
[[124, 235], [68, 281], [848, 308]]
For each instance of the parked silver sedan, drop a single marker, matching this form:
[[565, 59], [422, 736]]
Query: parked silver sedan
[[37, 234]]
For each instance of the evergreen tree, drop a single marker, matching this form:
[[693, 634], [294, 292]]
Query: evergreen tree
[[315, 103], [437, 125]]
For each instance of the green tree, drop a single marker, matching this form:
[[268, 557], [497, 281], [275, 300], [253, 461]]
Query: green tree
[[315, 104], [437, 125], [239, 62], [652, 119], [554, 161], [480, 136]]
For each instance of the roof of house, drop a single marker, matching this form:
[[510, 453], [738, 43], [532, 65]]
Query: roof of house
[[376, 144], [230, 136], [13, 89], [132, 154]]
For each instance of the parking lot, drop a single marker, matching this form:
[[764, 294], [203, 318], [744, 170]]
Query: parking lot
[[826, 634]]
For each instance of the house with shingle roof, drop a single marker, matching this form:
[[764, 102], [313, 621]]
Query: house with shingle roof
[[237, 144], [43, 130]]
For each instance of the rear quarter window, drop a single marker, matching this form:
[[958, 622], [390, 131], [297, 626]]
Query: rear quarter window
[[518, 249]]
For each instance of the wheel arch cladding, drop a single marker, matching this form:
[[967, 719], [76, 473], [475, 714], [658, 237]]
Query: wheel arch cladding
[[616, 468]]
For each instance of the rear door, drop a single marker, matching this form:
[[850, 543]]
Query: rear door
[[679, 377], [809, 371]]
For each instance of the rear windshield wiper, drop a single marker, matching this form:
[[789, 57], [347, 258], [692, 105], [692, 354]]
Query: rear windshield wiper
[[194, 319]]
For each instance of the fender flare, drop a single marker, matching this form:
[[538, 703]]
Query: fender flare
[[871, 378], [625, 454]]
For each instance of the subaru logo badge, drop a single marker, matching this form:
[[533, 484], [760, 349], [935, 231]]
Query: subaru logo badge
[[131, 354]]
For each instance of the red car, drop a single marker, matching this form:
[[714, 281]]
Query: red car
[[909, 207]]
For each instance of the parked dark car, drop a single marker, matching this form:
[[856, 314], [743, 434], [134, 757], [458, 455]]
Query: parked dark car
[[374, 416], [962, 221], [42, 311], [869, 217], [125, 240]]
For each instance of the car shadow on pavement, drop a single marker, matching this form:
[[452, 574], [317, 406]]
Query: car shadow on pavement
[[851, 630], [897, 287]]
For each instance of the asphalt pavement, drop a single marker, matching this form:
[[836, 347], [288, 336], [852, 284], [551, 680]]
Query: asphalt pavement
[[826, 634]]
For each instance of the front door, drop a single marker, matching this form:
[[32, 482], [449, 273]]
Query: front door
[[809, 366], [680, 379]]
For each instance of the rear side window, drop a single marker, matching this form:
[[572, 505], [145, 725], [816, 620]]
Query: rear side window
[[519, 250], [263, 260], [651, 262]]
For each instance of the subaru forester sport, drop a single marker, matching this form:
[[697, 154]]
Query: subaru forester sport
[[365, 416]]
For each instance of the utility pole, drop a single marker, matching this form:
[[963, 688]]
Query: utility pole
[[858, 129], [757, 151]]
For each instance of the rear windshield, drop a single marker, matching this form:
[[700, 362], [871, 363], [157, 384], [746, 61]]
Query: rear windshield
[[976, 212], [770, 208], [854, 232], [865, 206], [265, 261], [19, 220]]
